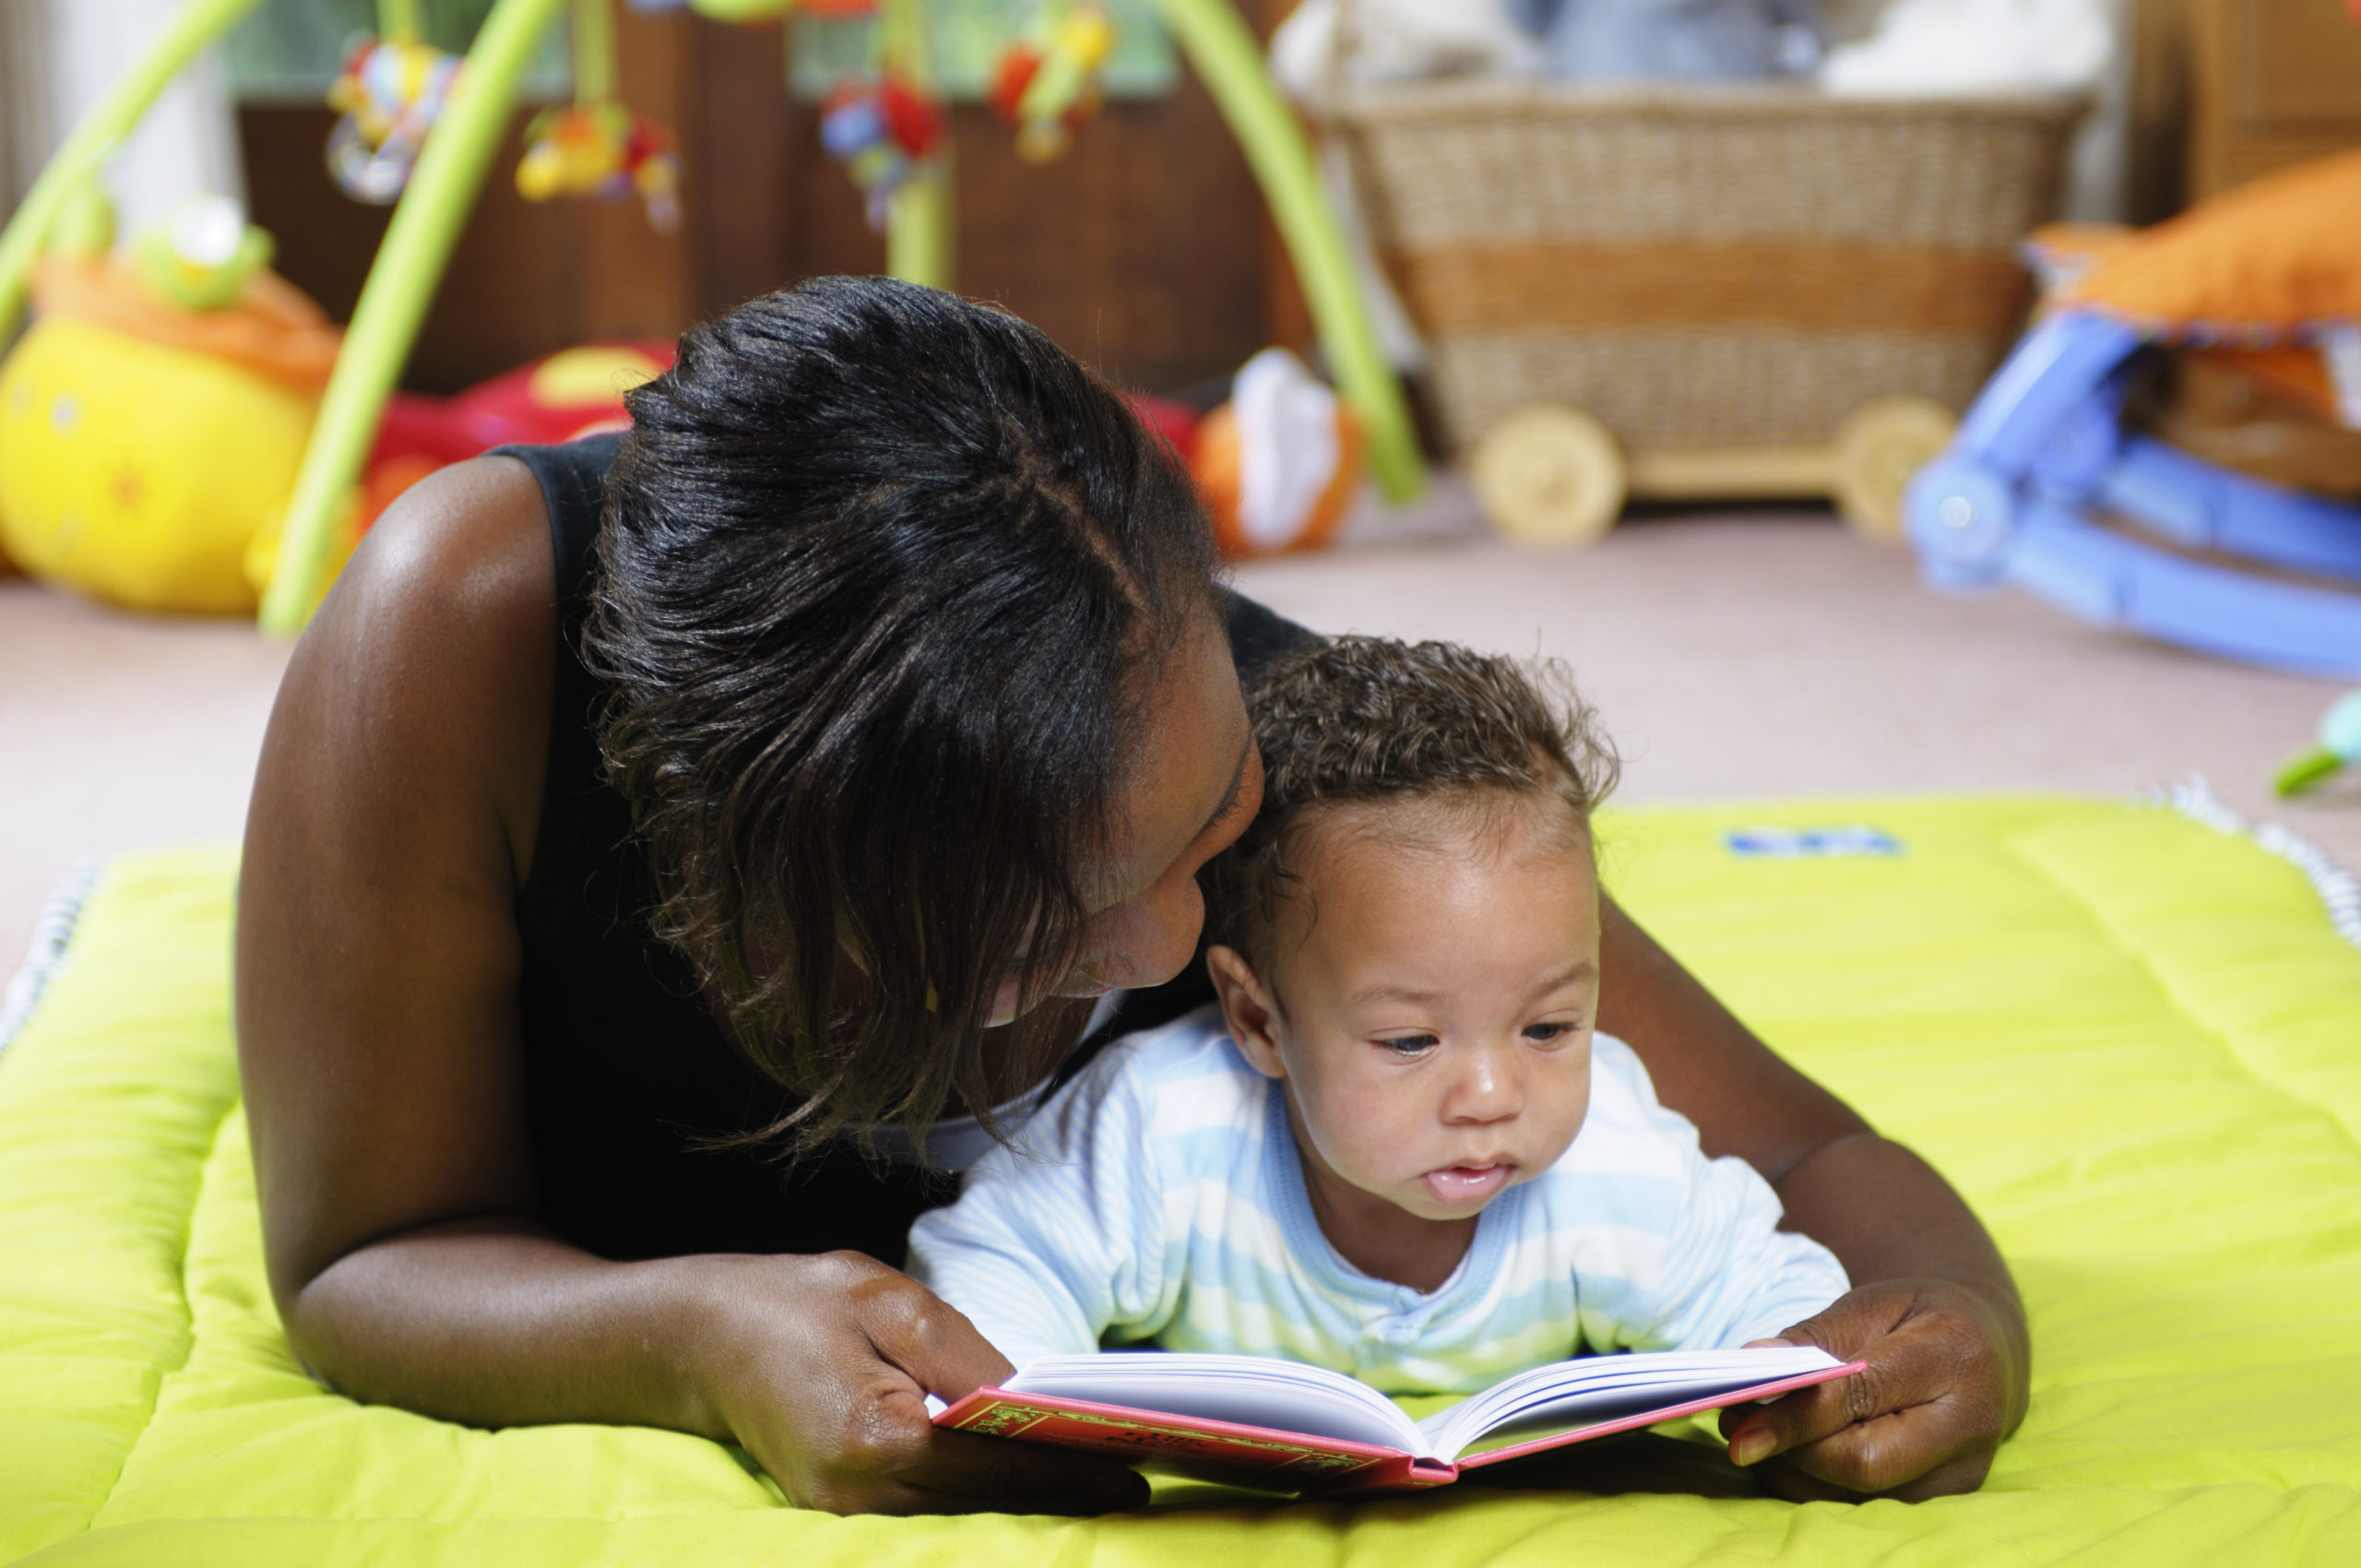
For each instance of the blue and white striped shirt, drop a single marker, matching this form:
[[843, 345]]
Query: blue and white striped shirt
[[1159, 1197]]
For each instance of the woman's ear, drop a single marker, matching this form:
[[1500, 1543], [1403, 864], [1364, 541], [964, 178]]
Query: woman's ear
[[1248, 1008]]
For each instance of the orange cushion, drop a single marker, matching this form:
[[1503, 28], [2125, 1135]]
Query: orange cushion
[[274, 328], [2263, 263]]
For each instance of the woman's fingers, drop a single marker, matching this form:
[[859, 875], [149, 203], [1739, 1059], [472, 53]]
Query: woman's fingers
[[1024, 1477], [1891, 1384], [942, 1354], [891, 1459], [1921, 1419], [1879, 1460], [1884, 1455], [909, 1327], [855, 1435]]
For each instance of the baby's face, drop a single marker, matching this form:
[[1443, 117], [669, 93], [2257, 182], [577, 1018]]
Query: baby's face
[[1434, 999]]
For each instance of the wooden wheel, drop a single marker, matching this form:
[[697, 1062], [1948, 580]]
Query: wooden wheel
[[1879, 447], [1550, 475]]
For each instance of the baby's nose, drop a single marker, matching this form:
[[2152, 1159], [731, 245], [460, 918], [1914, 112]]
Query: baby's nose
[[1486, 1091]]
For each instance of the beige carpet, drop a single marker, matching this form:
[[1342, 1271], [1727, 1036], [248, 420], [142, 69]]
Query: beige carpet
[[1732, 656]]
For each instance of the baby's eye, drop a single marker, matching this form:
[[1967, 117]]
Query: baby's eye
[[1409, 1045], [1542, 1034]]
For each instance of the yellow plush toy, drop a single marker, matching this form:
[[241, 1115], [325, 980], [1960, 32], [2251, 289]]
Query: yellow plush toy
[[152, 420]]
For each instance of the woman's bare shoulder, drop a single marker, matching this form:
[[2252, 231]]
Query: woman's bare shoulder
[[428, 669]]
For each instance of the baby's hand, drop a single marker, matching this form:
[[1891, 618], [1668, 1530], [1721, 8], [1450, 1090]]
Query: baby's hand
[[1923, 1420]]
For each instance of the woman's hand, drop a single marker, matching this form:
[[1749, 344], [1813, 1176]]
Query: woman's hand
[[820, 1367], [1944, 1384]]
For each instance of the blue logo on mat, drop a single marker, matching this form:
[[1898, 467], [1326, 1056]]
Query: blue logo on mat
[[1809, 843]]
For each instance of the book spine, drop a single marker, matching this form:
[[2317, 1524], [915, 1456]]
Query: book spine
[[1404, 1472]]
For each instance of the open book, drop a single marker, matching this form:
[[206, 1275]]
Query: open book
[[1288, 1427]]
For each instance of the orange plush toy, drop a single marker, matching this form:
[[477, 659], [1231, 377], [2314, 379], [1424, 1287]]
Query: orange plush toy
[[1280, 463]]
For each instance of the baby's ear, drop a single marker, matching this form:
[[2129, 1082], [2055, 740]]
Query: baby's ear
[[1248, 1008]]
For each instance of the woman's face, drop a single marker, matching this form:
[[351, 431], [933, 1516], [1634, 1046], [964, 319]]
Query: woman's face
[[1195, 785]]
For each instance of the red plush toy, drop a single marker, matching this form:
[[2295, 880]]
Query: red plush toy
[[567, 395]]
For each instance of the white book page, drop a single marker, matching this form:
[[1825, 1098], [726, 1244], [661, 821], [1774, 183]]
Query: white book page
[[1248, 1390], [1566, 1395]]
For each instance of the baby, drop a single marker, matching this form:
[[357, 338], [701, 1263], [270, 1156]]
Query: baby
[[1395, 1148]]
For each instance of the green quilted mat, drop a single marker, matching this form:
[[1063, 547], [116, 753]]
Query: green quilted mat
[[2132, 1039]]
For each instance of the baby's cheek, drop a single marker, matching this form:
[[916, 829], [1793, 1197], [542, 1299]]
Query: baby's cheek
[[1368, 1137], [1575, 1108]]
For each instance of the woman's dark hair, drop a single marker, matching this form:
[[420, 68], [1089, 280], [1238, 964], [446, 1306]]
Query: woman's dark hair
[[881, 581], [1368, 719]]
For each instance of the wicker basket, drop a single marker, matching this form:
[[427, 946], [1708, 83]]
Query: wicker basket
[[1734, 267]]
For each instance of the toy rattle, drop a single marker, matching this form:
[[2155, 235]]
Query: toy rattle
[[888, 128], [2338, 748], [598, 146], [883, 132], [392, 90], [1046, 83]]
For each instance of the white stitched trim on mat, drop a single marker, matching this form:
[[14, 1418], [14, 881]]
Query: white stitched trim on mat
[[2338, 888], [52, 935]]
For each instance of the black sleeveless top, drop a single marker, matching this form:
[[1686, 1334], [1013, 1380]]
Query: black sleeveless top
[[628, 1075]]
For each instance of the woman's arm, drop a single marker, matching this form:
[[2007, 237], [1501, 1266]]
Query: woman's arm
[[1933, 1310], [378, 972]]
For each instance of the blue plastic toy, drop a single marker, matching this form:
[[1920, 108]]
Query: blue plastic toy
[[2044, 450]]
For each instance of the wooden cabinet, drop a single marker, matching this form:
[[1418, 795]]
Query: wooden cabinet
[[2273, 82]]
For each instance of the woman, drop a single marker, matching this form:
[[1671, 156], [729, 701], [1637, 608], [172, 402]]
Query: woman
[[873, 734]]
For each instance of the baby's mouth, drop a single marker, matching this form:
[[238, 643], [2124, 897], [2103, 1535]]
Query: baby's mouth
[[1457, 1184]]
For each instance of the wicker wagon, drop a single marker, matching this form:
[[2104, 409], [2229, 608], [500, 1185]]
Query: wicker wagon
[[1753, 292]]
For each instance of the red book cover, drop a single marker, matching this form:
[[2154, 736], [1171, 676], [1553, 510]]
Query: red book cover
[[1274, 1460]]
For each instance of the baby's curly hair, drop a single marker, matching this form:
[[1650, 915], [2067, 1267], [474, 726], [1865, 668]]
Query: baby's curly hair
[[1370, 718]]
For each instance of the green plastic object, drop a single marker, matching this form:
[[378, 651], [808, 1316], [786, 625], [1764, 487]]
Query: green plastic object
[[397, 21], [742, 13], [1228, 61], [920, 219], [594, 51], [918, 227], [201, 261], [112, 118], [84, 224], [426, 224], [2338, 747]]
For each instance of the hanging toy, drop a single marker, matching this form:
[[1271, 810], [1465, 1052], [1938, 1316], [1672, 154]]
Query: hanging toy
[[1047, 83], [605, 150], [598, 146], [390, 94], [883, 132]]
